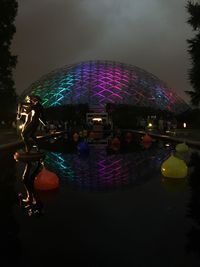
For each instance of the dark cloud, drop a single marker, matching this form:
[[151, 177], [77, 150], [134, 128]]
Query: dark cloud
[[150, 34]]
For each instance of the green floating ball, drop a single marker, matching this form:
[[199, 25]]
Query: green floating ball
[[174, 168], [182, 148]]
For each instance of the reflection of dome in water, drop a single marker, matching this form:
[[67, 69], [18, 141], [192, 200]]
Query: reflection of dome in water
[[100, 82], [101, 171]]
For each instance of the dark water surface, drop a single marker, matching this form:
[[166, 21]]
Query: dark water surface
[[112, 209]]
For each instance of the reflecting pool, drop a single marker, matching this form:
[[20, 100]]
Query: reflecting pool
[[112, 208]]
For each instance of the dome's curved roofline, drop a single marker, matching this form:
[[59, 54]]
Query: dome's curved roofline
[[98, 82]]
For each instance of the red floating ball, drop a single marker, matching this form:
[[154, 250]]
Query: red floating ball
[[46, 180]]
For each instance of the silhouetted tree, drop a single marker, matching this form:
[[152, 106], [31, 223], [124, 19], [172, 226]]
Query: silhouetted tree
[[8, 11], [194, 50]]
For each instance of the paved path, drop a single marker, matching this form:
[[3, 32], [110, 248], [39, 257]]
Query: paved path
[[180, 139], [10, 140]]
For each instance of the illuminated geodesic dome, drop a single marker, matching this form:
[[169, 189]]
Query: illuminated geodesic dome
[[98, 83]]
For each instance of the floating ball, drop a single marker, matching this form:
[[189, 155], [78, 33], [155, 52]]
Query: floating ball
[[115, 144], [83, 147], [182, 148], [75, 137], [129, 137], [147, 139], [46, 180], [174, 168], [91, 135], [85, 133]]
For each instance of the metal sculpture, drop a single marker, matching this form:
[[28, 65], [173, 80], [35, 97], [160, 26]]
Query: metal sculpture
[[31, 111]]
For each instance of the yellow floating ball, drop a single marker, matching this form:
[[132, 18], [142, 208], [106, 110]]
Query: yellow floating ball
[[182, 148], [174, 168], [85, 133]]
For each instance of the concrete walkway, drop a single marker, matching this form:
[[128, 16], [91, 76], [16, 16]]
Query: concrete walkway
[[10, 140], [186, 139]]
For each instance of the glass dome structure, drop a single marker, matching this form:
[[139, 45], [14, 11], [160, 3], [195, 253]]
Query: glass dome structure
[[99, 82]]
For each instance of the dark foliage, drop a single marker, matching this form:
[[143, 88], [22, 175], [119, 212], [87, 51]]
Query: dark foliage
[[194, 51], [191, 117], [128, 116], [194, 205], [8, 11]]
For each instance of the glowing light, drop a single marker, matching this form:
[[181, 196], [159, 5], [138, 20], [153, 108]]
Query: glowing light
[[184, 125], [150, 125], [21, 126], [97, 119]]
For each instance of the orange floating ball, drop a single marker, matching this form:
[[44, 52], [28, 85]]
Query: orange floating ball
[[147, 139], [115, 144], [46, 180], [75, 137]]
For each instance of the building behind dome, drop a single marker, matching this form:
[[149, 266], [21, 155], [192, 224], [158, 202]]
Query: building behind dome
[[98, 83]]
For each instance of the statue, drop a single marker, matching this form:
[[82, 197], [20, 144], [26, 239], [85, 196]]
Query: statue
[[34, 115], [31, 202]]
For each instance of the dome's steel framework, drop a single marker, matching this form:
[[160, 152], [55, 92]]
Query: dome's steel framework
[[100, 82]]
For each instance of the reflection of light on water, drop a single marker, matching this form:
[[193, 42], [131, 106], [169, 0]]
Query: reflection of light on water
[[102, 171], [56, 161], [167, 145]]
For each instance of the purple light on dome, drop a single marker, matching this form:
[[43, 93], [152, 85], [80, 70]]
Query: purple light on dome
[[110, 84]]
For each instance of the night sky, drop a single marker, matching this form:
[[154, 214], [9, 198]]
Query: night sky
[[150, 34]]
